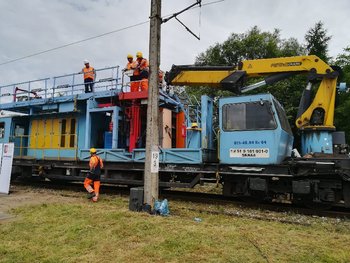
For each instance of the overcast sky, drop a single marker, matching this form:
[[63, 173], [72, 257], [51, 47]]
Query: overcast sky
[[28, 27]]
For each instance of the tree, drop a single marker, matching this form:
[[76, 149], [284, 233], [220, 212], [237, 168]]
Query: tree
[[291, 47], [253, 44], [317, 41], [343, 61], [343, 99], [256, 44]]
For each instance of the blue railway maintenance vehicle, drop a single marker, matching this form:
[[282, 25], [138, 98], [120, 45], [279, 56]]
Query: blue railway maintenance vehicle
[[53, 124]]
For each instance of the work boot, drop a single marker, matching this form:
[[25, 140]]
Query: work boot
[[91, 195]]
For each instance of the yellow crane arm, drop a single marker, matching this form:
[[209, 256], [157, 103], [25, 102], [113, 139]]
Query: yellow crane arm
[[273, 69], [222, 77], [320, 113], [198, 75]]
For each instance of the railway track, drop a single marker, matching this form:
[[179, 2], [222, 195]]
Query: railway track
[[200, 198], [336, 212]]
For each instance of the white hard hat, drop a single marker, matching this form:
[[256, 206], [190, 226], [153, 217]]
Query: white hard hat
[[86, 61]]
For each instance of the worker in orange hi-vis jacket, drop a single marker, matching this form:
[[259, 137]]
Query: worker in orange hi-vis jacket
[[161, 77], [142, 70], [89, 76], [131, 65], [94, 176]]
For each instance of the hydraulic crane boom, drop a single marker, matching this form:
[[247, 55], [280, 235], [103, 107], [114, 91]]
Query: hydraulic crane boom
[[319, 113]]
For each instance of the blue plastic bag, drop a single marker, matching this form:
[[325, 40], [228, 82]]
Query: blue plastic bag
[[161, 207]]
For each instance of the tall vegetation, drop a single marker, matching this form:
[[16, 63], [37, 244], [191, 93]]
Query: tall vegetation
[[342, 109], [317, 41], [257, 44]]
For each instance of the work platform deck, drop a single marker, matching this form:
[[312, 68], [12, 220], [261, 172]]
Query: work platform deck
[[54, 119]]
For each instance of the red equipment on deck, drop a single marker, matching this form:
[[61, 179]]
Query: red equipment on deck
[[133, 112]]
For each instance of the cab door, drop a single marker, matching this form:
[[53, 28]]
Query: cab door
[[48, 134], [33, 139]]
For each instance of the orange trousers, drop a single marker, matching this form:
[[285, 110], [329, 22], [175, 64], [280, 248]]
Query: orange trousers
[[88, 186], [134, 86], [140, 85], [144, 84]]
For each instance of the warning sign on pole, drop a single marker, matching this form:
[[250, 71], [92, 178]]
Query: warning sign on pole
[[155, 162], [6, 152]]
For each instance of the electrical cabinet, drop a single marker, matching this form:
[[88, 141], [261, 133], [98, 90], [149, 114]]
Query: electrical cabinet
[[53, 133]]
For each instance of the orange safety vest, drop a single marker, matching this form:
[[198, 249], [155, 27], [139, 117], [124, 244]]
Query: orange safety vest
[[95, 164], [89, 73], [142, 65], [160, 76], [131, 65]]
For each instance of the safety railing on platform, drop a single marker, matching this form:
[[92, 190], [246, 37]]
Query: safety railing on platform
[[131, 83], [24, 90], [64, 85], [41, 147]]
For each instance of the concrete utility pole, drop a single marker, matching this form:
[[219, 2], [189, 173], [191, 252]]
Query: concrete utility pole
[[151, 179]]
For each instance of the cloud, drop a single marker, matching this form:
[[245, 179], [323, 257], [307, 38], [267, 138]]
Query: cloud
[[31, 26]]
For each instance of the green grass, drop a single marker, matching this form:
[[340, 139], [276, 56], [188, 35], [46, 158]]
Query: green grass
[[106, 231]]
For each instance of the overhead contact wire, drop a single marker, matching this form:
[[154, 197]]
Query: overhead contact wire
[[91, 38], [74, 43]]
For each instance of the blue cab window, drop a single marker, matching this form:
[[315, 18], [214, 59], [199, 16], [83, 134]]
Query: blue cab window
[[248, 116]]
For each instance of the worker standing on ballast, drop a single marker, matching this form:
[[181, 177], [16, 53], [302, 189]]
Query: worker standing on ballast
[[94, 176], [89, 76], [142, 70]]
